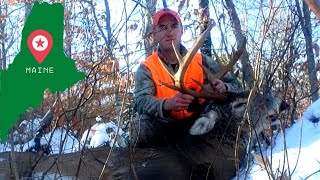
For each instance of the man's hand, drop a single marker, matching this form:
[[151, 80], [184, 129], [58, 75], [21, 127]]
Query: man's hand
[[221, 87], [178, 102]]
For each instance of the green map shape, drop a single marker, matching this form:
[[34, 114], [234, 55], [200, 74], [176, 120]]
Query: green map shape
[[19, 90]]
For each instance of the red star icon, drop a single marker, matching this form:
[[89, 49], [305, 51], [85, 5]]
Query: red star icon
[[40, 43]]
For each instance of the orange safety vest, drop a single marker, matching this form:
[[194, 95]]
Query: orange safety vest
[[159, 74]]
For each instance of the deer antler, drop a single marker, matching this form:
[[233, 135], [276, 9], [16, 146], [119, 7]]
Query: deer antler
[[224, 69], [178, 77]]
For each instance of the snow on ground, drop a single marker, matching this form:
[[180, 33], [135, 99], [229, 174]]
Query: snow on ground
[[104, 133], [60, 142]]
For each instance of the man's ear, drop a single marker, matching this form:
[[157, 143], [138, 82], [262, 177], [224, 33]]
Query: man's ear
[[151, 35]]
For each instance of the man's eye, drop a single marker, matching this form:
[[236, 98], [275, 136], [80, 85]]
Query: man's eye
[[162, 26], [174, 26]]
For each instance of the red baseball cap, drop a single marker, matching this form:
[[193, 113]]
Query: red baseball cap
[[163, 12]]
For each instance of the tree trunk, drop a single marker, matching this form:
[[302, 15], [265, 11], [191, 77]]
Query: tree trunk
[[3, 12], [28, 9], [246, 66], [307, 31], [304, 17], [108, 17], [68, 28], [149, 43], [204, 17], [164, 3]]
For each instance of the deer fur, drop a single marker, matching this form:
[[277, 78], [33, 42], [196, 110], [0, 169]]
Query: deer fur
[[263, 112]]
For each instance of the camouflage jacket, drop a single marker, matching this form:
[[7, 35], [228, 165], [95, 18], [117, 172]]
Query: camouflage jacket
[[145, 101]]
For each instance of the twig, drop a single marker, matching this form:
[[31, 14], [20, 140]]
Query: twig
[[312, 174], [13, 162], [46, 172]]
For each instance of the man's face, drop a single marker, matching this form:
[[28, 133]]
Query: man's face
[[168, 30]]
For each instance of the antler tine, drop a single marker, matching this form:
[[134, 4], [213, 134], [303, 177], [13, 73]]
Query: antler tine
[[178, 55], [184, 62], [225, 69], [190, 54], [210, 91]]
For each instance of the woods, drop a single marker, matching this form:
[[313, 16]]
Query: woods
[[108, 39]]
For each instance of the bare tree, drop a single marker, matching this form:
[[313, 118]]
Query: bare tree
[[69, 30], [9, 28], [236, 26], [305, 22], [149, 43], [28, 8], [164, 3], [3, 14], [204, 19], [107, 19]]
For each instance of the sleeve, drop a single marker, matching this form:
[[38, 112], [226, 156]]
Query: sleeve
[[145, 101], [231, 82]]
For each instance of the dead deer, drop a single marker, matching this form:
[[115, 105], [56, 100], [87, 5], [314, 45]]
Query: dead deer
[[266, 114]]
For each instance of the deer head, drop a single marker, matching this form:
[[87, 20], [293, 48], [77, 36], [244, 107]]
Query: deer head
[[208, 90]]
